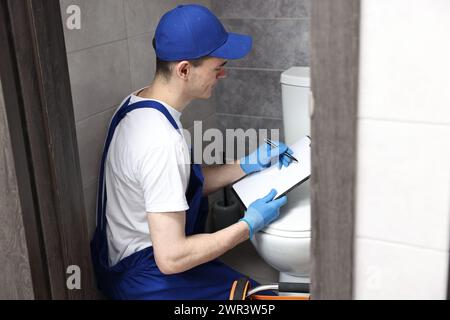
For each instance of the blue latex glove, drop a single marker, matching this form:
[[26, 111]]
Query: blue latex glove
[[262, 157], [263, 211]]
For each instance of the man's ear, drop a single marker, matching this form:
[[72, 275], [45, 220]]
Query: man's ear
[[183, 69]]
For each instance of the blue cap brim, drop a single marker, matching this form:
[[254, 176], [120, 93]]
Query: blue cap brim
[[237, 46]]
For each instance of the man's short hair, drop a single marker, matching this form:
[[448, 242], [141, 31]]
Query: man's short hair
[[164, 68]]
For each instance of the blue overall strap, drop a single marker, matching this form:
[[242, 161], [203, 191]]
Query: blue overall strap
[[120, 114]]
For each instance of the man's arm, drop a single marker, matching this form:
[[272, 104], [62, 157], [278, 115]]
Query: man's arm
[[217, 177], [175, 252]]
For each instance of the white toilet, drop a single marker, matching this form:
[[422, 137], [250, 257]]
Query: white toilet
[[285, 243]]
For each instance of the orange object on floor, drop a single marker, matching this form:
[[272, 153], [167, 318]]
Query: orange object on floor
[[240, 291]]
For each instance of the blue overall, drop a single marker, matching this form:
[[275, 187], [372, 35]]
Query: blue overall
[[137, 276]]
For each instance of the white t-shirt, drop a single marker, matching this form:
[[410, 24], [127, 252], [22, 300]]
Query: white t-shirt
[[147, 170]]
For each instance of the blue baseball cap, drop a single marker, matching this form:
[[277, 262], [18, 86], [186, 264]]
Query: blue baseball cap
[[192, 31]]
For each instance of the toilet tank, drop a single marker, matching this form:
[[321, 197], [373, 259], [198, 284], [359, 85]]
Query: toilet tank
[[295, 93]]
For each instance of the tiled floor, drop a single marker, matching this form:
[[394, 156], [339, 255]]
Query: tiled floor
[[246, 260]]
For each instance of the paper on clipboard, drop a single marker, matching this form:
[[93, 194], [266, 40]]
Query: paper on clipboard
[[259, 184]]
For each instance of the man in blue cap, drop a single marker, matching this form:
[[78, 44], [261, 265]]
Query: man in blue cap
[[149, 242]]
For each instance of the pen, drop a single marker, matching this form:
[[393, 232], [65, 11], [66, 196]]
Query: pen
[[273, 145]]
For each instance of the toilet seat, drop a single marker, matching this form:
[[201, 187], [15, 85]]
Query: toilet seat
[[288, 234]]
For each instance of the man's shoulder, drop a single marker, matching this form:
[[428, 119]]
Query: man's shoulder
[[148, 120], [149, 128]]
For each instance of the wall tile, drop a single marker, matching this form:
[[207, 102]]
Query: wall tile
[[142, 60], [100, 78], [198, 110], [277, 44], [204, 124], [228, 121], [102, 21], [292, 8], [250, 92], [261, 8], [91, 135], [386, 270], [143, 15], [404, 63], [403, 183], [225, 121]]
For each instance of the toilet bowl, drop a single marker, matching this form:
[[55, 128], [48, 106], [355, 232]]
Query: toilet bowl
[[285, 243]]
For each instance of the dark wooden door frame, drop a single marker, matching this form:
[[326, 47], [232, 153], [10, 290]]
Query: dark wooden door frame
[[334, 76], [36, 87]]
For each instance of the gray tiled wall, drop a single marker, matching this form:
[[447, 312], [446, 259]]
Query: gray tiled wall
[[109, 57], [250, 92], [261, 9], [251, 95]]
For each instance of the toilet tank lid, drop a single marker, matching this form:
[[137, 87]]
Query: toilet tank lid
[[296, 76]]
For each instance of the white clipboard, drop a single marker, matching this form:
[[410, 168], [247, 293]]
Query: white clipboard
[[259, 184]]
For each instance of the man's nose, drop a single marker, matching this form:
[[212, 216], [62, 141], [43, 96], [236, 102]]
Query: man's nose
[[222, 74]]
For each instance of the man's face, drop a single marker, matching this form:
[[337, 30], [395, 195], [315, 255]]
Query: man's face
[[205, 77]]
